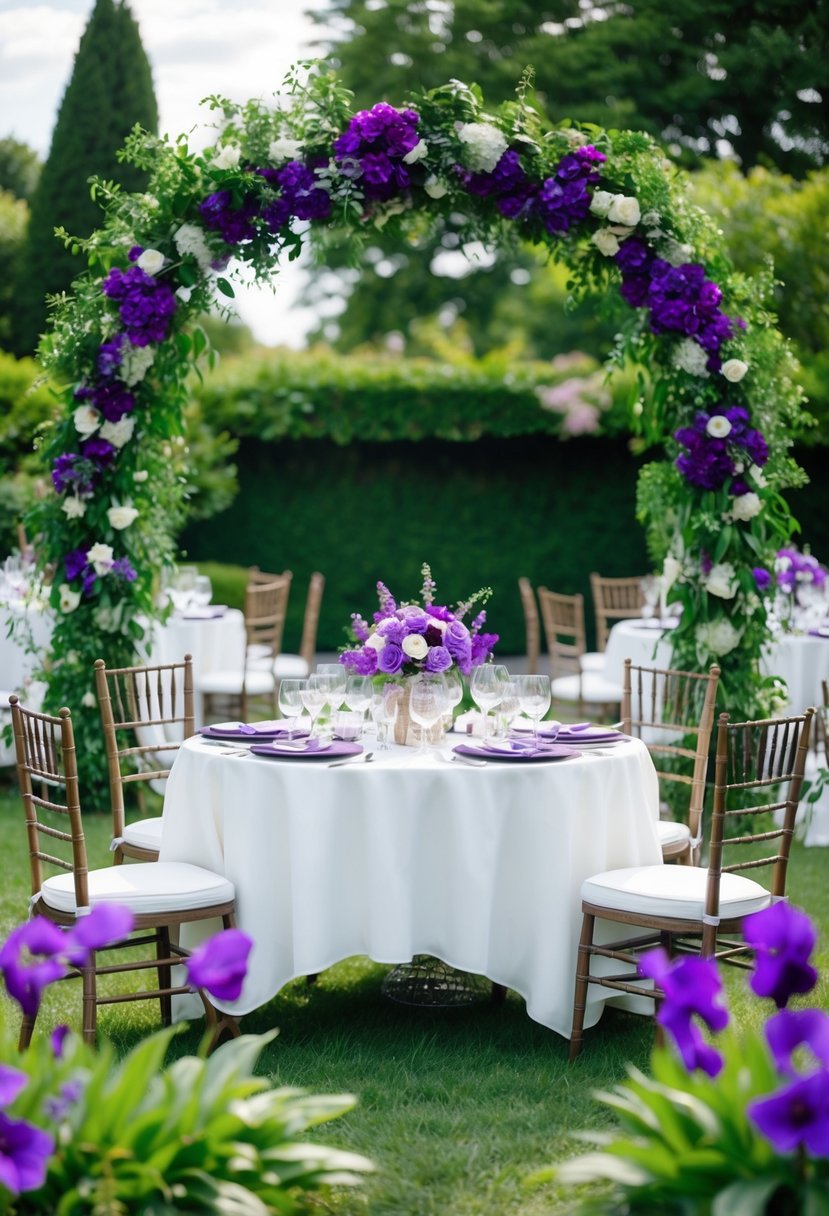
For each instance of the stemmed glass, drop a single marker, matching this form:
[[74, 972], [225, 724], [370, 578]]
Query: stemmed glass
[[202, 590], [290, 701], [487, 688], [358, 693], [182, 585], [454, 687], [428, 703], [649, 587], [535, 699], [507, 709], [315, 695], [384, 703]]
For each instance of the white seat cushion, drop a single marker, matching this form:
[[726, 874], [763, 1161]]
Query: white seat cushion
[[593, 660], [144, 833], [256, 682], [672, 833], [291, 667], [592, 687], [147, 887], [675, 891]]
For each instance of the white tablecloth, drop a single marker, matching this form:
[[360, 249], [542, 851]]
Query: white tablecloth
[[21, 652], [216, 644], [480, 867]]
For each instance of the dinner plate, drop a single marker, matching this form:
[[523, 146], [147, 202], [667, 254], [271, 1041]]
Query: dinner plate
[[275, 751], [550, 751], [585, 736], [250, 731]]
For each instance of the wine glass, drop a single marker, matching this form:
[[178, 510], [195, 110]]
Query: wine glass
[[181, 586], [428, 703], [649, 587], [290, 701], [454, 686], [384, 703], [358, 694], [202, 590], [487, 688], [507, 709], [534, 698], [315, 695]]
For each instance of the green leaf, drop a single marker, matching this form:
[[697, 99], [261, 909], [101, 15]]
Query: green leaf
[[747, 1197], [225, 288]]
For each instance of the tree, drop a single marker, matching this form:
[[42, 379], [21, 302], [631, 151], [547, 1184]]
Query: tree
[[13, 216], [19, 168], [110, 90]]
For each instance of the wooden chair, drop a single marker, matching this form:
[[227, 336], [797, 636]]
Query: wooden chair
[[146, 713], [693, 910], [574, 676], [614, 599], [532, 623], [673, 713], [161, 895], [266, 603], [297, 666]]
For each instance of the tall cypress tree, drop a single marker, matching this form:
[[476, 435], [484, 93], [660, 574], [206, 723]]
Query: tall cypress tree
[[110, 90]]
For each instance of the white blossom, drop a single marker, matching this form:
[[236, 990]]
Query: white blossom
[[721, 581], [88, 700], [376, 642], [86, 419], [151, 261], [691, 358], [435, 187], [184, 293], [118, 433], [415, 646], [67, 598], [718, 426], [417, 153], [758, 476], [190, 240], [121, 517], [624, 209], [140, 475], [746, 506], [227, 157], [100, 558], [718, 637], [484, 145], [283, 149], [600, 203], [136, 361], [73, 507], [606, 242], [671, 570], [734, 370]]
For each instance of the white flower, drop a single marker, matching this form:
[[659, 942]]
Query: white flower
[[606, 242], [435, 187], [691, 358], [73, 507], [484, 145], [417, 153], [718, 426], [600, 203], [140, 475], [376, 641], [190, 239], [734, 370], [121, 517], [118, 433], [718, 637], [88, 700], [100, 558], [671, 570], [68, 598], [136, 361], [624, 209], [415, 646], [746, 506], [758, 476], [227, 157], [86, 419], [722, 581], [283, 149], [184, 293], [151, 261]]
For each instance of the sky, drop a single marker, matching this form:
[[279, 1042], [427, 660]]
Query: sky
[[239, 48]]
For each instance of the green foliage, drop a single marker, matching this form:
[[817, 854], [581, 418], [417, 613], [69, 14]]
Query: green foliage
[[110, 90], [14, 215], [19, 168]]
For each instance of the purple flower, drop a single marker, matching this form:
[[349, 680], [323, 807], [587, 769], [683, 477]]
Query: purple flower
[[12, 1082], [30, 959], [793, 1028], [438, 659], [123, 568], [390, 659], [234, 223], [68, 1094], [145, 304], [782, 938], [71, 472], [796, 1115], [480, 650], [361, 662], [110, 355], [762, 578], [24, 1154], [105, 925], [100, 451], [691, 986], [564, 198], [57, 1039], [373, 147], [359, 627], [710, 460], [220, 964], [393, 630]]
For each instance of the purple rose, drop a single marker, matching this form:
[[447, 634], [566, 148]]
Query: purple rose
[[438, 659], [390, 659]]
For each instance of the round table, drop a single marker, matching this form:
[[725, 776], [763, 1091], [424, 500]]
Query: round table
[[480, 867], [216, 640]]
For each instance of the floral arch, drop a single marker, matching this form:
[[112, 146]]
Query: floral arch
[[718, 385]]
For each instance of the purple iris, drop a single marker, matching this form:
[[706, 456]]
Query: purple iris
[[793, 1028], [67, 1096], [57, 1039], [145, 304], [105, 925], [796, 1115], [691, 986], [24, 1155], [220, 964], [481, 646], [41, 942], [12, 1082], [782, 938]]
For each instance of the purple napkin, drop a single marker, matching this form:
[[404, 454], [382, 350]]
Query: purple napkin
[[552, 751]]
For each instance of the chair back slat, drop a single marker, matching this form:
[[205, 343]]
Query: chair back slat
[[266, 605], [614, 599], [563, 617], [532, 623]]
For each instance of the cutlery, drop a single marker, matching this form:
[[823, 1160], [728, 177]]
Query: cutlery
[[464, 760], [226, 744], [366, 758]]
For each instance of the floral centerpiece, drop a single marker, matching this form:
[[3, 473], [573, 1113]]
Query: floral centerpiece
[[408, 638], [737, 1125], [798, 583]]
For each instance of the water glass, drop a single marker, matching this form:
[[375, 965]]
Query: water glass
[[534, 698], [202, 590], [290, 702], [337, 678], [487, 688], [383, 707], [315, 695], [428, 703], [348, 724]]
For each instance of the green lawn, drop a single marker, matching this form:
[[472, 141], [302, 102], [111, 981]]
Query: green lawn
[[456, 1108]]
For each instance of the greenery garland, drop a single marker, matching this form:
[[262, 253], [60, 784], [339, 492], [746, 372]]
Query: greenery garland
[[718, 384]]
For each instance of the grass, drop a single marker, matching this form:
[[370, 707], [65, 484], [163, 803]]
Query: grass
[[457, 1108]]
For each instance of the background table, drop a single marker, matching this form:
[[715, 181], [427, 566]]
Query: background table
[[480, 867], [216, 644]]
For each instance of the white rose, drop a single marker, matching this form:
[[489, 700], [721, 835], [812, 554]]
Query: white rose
[[100, 558], [734, 370], [68, 598], [281, 150], [227, 157], [73, 507], [624, 209], [746, 506], [600, 203], [718, 426], [484, 145], [88, 700], [718, 637], [151, 261], [722, 581], [140, 475], [376, 642], [118, 433], [417, 153], [121, 517], [671, 570], [606, 242], [86, 419], [691, 358], [434, 187], [415, 646]]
